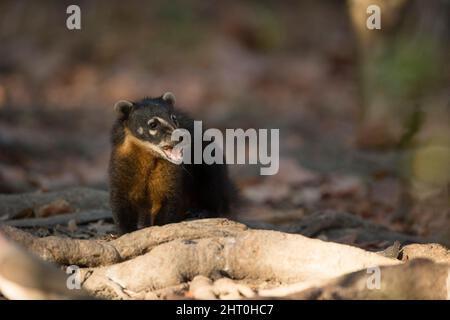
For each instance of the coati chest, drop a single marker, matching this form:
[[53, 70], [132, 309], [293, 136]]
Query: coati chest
[[146, 182], [149, 181]]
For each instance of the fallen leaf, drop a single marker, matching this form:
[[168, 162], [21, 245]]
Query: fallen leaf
[[292, 173], [267, 193], [343, 186], [306, 196], [54, 208], [72, 225], [387, 192]]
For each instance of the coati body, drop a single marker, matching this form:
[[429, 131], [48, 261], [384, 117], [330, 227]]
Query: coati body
[[146, 186]]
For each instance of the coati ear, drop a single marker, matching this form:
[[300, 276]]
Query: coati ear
[[169, 97], [123, 107]]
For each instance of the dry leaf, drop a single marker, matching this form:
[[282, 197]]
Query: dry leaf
[[54, 208]]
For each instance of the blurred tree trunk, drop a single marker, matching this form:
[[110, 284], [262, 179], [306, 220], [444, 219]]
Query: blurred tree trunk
[[404, 71], [402, 66]]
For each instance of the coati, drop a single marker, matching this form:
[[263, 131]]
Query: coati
[[147, 187]]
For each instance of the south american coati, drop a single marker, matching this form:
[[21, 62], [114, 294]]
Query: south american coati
[[147, 187]]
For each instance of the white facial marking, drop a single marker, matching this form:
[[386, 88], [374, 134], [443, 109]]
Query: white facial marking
[[140, 131], [152, 132], [161, 120]]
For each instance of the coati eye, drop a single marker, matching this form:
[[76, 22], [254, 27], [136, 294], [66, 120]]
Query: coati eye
[[153, 124], [174, 119]]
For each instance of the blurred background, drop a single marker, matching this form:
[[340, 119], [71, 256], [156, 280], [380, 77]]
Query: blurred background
[[364, 115]]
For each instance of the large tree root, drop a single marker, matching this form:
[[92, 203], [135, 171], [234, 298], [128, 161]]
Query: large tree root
[[161, 262], [215, 258], [254, 255], [92, 253], [161, 257], [419, 279]]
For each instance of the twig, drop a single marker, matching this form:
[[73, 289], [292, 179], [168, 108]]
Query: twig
[[62, 219]]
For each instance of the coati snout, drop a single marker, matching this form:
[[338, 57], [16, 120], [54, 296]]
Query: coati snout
[[148, 186], [152, 125]]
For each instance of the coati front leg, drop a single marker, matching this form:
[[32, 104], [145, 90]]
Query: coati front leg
[[125, 214], [155, 211], [170, 212], [144, 218]]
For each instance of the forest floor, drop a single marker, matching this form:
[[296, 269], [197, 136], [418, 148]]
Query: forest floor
[[55, 119]]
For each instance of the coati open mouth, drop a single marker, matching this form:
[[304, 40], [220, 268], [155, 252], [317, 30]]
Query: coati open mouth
[[173, 154]]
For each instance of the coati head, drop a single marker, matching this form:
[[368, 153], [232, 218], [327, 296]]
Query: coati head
[[150, 123]]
